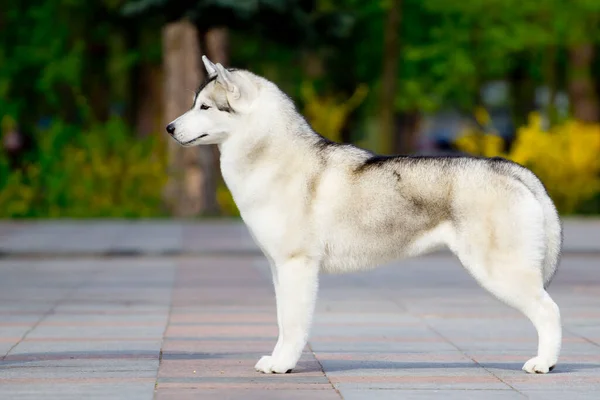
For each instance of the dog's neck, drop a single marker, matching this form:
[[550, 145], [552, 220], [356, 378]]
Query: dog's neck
[[278, 140], [280, 128]]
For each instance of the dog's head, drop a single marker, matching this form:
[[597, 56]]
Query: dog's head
[[218, 109]]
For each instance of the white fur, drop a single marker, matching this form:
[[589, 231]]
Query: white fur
[[313, 206]]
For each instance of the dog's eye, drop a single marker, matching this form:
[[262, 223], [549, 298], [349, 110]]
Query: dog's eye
[[204, 107]]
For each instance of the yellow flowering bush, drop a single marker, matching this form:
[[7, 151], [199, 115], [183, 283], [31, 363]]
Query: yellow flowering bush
[[225, 201], [103, 172], [566, 157], [326, 113]]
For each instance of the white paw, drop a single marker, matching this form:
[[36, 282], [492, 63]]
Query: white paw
[[538, 365], [269, 364]]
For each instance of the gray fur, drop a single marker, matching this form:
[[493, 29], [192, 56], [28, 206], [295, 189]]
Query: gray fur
[[315, 206]]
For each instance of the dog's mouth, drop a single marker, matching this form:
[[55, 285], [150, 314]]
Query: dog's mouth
[[189, 142]]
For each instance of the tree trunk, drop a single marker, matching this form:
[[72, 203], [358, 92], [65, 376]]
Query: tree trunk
[[584, 102], [216, 47], [522, 91], [408, 123], [185, 190], [149, 102], [99, 95], [550, 77], [216, 42], [389, 77]]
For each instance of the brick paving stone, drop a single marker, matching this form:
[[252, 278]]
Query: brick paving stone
[[248, 394], [173, 237], [350, 393], [79, 368], [193, 327], [120, 389], [423, 381], [216, 355], [573, 394], [83, 343], [29, 349]]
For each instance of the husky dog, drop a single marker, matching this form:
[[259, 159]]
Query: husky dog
[[314, 206]]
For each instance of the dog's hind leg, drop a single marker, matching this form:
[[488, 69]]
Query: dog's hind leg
[[521, 286], [545, 315], [296, 291]]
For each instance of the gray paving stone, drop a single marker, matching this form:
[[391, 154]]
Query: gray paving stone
[[108, 307], [86, 368], [374, 318], [419, 329], [6, 345], [91, 318], [44, 331], [527, 346], [264, 378], [328, 306], [429, 384], [566, 386], [573, 394], [378, 394], [14, 331], [364, 345], [246, 394], [78, 390], [15, 307], [374, 331], [581, 234], [164, 236], [85, 348]]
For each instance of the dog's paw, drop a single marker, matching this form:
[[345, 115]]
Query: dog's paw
[[538, 365], [268, 365]]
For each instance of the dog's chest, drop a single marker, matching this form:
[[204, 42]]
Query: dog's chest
[[271, 207]]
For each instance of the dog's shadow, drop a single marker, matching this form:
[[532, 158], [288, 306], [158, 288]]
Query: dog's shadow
[[55, 358], [329, 365], [356, 365]]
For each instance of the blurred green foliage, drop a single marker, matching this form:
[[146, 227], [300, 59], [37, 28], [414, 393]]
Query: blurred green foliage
[[100, 172], [70, 77]]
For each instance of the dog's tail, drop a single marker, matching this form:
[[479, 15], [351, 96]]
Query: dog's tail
[[552, 224]]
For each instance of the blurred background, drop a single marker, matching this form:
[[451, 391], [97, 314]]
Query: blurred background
[[87, 87]]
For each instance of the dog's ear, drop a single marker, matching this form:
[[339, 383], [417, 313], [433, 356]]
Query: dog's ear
[[226, 79], [211, 69], [240, 90]]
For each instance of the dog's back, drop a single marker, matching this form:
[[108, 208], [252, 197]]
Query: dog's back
[[313, 205]]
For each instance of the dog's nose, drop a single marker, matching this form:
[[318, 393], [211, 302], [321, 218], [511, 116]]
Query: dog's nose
[[171, 128]]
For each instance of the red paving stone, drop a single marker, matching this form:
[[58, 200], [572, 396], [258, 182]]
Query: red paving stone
[[256, 385], [193, 343], [74, 381], [223, 331], [430, 380], [90, 339], [399, 339], [193, 349], [215, 346], [395, 357], [216, 367], [389, 330], [211, 318], [79, 356], [238, 393]]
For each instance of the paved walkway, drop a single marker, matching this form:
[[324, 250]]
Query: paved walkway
[[192, 320], [169, 237]]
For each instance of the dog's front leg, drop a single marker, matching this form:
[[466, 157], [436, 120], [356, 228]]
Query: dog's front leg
[[296, 290], [277, 300]]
